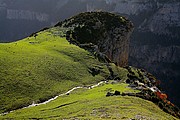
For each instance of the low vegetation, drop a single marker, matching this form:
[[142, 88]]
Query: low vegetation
[[45, 65], [42, 66], [93, 104], [90, 27]]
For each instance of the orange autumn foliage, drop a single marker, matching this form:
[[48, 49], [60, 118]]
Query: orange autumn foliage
[[161, 95], [168, 102]]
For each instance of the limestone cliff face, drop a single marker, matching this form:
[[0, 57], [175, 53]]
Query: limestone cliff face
[[159, 54], [20, 18], [133, 7], [154, 44], [157, 16], [108, 31], [155, 41], [166, 17], [163, 60], [116, 45], [26, 15]]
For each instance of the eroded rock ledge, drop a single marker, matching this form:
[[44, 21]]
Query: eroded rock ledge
[[110, 32]]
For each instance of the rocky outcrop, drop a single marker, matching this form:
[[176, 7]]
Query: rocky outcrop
[[108, 31], [155, 42]]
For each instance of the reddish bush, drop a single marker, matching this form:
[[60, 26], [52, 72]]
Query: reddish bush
[[161, 95]]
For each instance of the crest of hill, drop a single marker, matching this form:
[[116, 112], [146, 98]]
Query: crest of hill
[[110, 32]]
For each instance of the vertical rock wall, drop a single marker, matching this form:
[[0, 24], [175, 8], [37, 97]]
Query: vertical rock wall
[[110, 32], [116, 45]]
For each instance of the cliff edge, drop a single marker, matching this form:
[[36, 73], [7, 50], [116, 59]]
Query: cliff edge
[[110, 32]]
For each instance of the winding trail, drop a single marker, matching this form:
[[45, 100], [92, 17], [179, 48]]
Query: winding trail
[[68, 92]]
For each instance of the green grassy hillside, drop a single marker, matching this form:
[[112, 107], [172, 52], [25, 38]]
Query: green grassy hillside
[[84, 104], [45, 65], [37, 68]]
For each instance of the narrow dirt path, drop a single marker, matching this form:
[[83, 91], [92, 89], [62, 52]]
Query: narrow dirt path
[[68, 92]]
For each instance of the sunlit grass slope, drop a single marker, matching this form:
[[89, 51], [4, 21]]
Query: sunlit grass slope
[[84, 104], [45, 65], [39, 67]]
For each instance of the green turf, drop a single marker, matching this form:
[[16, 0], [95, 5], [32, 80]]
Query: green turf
[[93, 104], [37, 68]]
